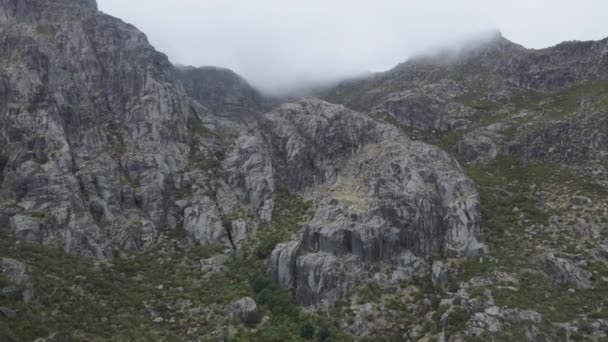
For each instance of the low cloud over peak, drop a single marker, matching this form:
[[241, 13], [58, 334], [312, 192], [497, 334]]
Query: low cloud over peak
[[280, 46]]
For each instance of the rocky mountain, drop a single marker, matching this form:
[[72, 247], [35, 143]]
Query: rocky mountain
[[458, 196]]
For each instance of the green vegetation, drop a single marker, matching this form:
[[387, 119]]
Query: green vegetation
[[289, 213], [307, 330], [507, 191], [592, 94], [117, 143], [554, 302], [82, 300], [370, 293], [199, 129]]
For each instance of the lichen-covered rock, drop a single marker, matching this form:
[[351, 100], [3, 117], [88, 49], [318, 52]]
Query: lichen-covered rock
[[15, 271], [249, 170], [379, 196], [246, 310], [482, 145], [93, 130], [8, 313], [564, 272], [425, 111], [203, 224], [439, 274], [578, 139], [97, 132]]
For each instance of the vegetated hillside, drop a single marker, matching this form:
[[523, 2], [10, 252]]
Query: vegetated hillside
[[459, 196]]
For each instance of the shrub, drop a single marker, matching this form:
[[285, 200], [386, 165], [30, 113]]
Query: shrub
[[324, 334], [277, 301], [259, 283], [307, 330]]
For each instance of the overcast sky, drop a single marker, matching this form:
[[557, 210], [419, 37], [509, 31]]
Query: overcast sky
[[277, 44]]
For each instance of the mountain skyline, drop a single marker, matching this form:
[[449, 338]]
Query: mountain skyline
[[279, 46]]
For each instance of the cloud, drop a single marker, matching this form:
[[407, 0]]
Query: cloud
[[279, 44]]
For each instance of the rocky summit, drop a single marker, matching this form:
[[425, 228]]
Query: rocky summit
[[461, 196]]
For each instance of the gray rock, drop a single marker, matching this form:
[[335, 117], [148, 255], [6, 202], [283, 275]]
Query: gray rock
[[8, 313], [573, 140], [425, 111], [564, 272], [9, 291], [439, 274], [580, 200], [249, 170], [15, 271], [226, 94], [482, 145], [380, 198], [246, 310], [26, 228], [98, 132], [203, 224], [364, 319]]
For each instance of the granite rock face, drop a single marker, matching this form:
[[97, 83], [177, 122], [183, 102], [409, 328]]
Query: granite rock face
[[97, 133], [573, 140], [565, 272], [483, 145], [425, 111], [491, 62], [233, 104], [380, 196]]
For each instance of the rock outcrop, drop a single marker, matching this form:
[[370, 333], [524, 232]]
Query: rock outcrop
[[98, 137], [246, 310], [578, 139], [233, 104], [94, 128], [425, 111], [483, 145], [19, 279], [380, 196], [565, 272]]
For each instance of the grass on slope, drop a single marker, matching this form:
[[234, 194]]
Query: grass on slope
[[506, 184], [82, 300]]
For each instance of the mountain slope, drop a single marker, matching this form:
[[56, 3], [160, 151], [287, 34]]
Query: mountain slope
[[112, 153], [142, 200], [530, 126]]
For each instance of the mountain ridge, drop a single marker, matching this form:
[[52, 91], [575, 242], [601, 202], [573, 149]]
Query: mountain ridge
[[449, 200]]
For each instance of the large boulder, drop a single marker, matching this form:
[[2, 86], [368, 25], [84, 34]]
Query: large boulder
[[15, 271], [246, 310], [20, 281]]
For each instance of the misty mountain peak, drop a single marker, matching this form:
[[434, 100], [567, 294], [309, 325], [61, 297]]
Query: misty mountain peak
[[487, 45]]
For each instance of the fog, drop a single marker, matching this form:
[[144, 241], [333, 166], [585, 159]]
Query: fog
[[279, 45]]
